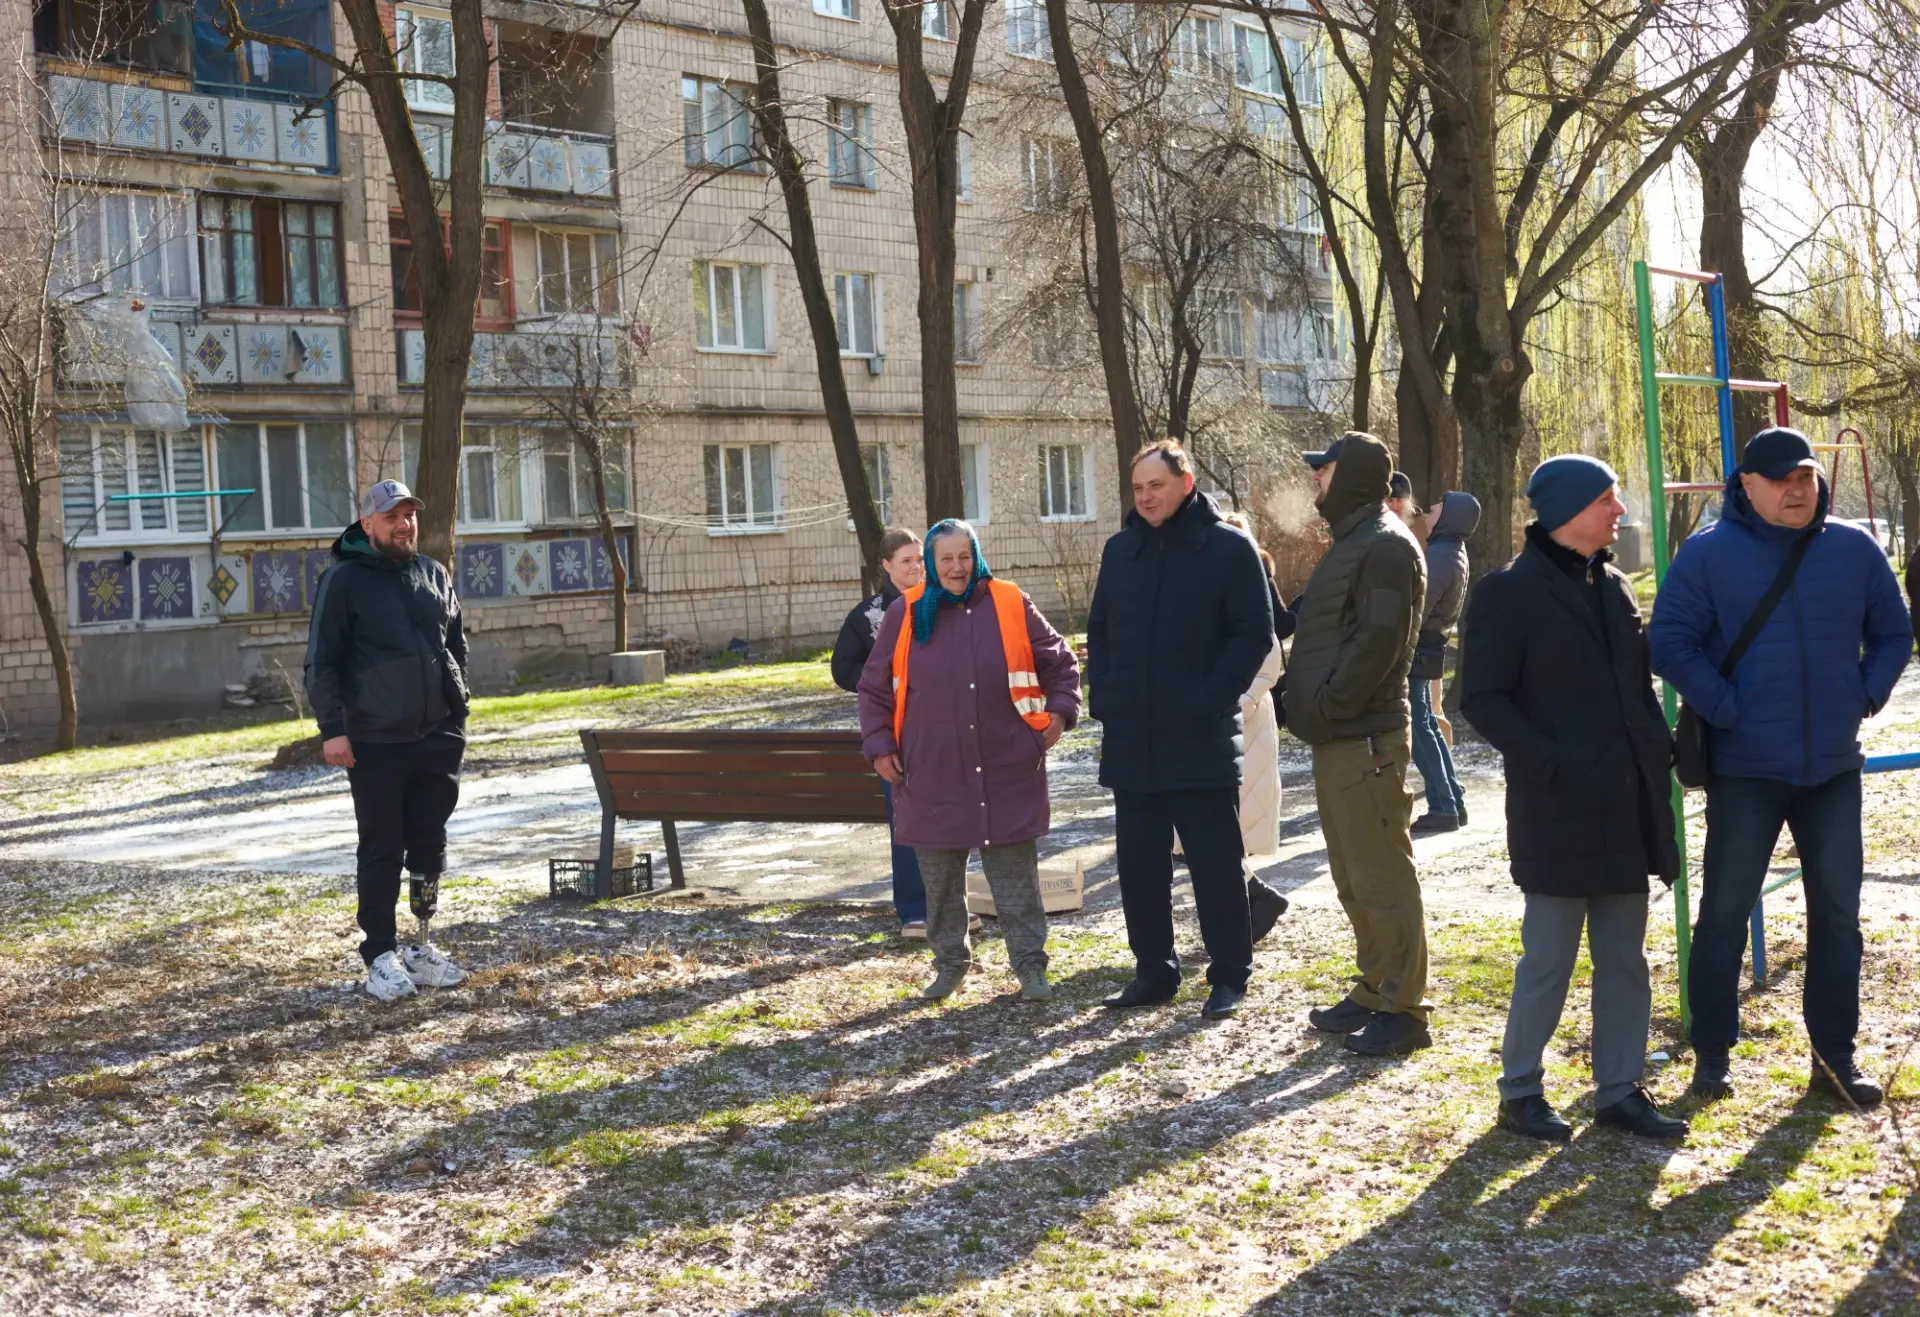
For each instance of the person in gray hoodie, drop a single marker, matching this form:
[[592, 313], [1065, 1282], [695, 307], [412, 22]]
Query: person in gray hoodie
[[1448, 523]]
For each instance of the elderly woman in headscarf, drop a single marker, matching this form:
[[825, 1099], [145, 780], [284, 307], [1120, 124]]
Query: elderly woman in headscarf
[[967, 689]]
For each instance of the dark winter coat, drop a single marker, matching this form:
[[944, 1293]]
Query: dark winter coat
[[1180, 622], [378, 645], [1554, 673], [1353, 642], [1827, 658], [855, 641], [1913, 591], [1446, 581]]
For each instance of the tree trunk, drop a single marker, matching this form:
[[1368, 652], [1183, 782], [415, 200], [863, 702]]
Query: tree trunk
[[593, 448], [1490, 432], [52, 626], [770, 115], [1109, 303]]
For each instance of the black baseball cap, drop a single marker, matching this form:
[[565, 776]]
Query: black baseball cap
[[1399, 486], [1776, 451], [1331, 453]]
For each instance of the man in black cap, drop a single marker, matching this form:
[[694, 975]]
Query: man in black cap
[[1783, 744], [386, 675], [1345, 695]]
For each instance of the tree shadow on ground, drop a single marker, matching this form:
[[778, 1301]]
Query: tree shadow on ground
[[1892, 1284]]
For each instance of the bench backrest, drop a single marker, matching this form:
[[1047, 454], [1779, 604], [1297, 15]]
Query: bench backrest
[[735, 777]]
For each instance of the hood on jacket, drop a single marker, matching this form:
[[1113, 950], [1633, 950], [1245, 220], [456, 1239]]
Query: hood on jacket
[[1459, 517], [352, 543], [1737, 508], [1362, 478]]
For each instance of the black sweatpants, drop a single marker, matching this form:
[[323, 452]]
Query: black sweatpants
[[402, 797], [1209, 824]]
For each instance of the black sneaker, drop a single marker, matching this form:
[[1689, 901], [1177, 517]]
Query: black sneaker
[[1343, 1017], [1429, 824], [1266, 906], [1390, 1034], [1636, 1114], [1461, 814], [1533, 1117], [1222, 1002], [1141, 992], [1712, 1076], [1844, 1083]]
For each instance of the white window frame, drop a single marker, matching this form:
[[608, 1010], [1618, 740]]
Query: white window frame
[[963, 167], [599, 274], [1254, 69], [698, 100], [847, 11], [1303, 62], [844, 287], [433, 97], [977, 459], [1215, 310], [1028, 36], [1074, 455], [1040, 163], [936, 20], [763, 519], [703, 277], [93, 476], [1325, 331], [878, 460], [850, 160], [263, 495], [89, 210], [966, 322], [1199, 47], [579, 497], [524, 486]]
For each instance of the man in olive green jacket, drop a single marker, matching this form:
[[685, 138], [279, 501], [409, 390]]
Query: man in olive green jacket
[[1345, 694]]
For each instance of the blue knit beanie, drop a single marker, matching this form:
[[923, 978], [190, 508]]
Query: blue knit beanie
[[1561, 487]]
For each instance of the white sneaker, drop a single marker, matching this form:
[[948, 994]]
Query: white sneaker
[[429, 969], [387, 980]]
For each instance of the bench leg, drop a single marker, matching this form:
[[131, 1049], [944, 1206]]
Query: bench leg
[[677, 877], [603, 873]]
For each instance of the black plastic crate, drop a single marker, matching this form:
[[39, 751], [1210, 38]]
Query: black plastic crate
[[575, 877]]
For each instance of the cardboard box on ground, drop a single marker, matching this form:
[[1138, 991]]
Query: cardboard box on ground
[[1062, 890]]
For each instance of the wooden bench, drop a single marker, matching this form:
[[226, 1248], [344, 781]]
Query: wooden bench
[[726, 777]]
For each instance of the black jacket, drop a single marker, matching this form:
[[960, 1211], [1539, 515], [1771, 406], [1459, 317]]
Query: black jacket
[[1180, 622], [1446, 582], [855, 641], [1568, 701], [377, 644]]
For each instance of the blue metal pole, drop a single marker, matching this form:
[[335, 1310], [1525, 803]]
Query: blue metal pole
[[1722, 367]]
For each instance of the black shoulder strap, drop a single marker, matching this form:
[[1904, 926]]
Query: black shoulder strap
[[1768, 602]]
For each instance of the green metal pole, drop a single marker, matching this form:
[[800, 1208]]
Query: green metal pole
[[1657, 515]]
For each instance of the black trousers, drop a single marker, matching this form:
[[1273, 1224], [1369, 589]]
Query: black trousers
[[1209, 824], [402, 797]]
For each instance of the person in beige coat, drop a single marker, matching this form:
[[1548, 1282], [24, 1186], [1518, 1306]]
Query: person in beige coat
[[1260, 780]]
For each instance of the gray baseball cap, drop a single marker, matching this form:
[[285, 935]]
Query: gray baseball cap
[[386, 496]]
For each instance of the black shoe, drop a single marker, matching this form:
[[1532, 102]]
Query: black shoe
[[1846, 1084], [1266, 906], [1343, 1017], [1428, 824], [1222, 1002], [1712, 1076], [1390, 1034], [1461, 814], [1636, 1114], [1534, 1118], [1141, 992]]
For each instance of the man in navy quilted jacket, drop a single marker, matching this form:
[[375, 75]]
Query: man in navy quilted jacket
[[1784, 739]]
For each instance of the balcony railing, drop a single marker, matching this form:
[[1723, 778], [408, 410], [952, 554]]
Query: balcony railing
[[529, 157], [526, 360], [259, 128]]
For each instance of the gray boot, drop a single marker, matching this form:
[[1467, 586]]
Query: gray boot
[[1034, 985], [945, 983]]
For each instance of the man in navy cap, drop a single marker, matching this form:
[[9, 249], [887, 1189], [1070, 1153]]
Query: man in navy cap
[[386, 675], [1784, 736]]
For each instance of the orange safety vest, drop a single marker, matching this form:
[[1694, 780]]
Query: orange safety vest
[[1022, 683]]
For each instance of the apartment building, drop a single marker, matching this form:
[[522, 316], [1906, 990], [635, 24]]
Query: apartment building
[[219, 204]]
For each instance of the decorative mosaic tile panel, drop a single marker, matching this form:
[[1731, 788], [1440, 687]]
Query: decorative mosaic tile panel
[[568, 565], [279, 580], [194, 124], [103, 588], [526, 569], [138, 118], [317, 354], [302, 138], [314, 564], [592, 168], [228, 584], [209, 354], [166, 589], [249, 129], [547, 164], [263, 354], [80, 108], [507, 162], [603, 566], [483, 571]]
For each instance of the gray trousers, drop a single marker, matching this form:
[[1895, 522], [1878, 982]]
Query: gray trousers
[[1013, 873], [1622, 996]]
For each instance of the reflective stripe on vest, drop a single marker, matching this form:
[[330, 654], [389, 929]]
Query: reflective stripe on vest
[[1023, 684]]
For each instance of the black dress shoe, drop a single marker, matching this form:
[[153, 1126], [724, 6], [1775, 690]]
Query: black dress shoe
[[1712, 1076], [1141, 992], [1462, 816], [1845, 1084], [1534, 1118], [1390, 1034], [1428, 824], [1343, 1017], [1266, 906], [1222, 1002], [1636, 1114]]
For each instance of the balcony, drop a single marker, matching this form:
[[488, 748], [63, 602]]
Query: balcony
[[528, 158], [527, 360], [225, 356], [261, 128]]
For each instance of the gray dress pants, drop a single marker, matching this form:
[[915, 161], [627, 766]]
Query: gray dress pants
[[1622, 996], [1013, 874]]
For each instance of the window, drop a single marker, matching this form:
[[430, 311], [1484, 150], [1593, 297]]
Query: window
[[976, 503], [837, 8], [492, 476], [1199, 47], [740, 487], [567, 475], [1285, 389], [144, 34], [577, 273], [258, 64], [933, 20], [1326, 343], [1253, 66], [1276, 329], [966, 322], [124, 242], [99, 461], [879, 479], [1051, 337], [856, 309], [1043, 164], [730, 307], [258, 251], [299, 473], [717, 120], [1303, 63], [495, 302], [1216, 315], [1063, 483], [850, 144], [1027, 34], [963, 167], [423, 44]]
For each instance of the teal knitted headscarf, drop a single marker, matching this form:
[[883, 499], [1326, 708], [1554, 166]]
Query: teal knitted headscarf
[[928, 607]]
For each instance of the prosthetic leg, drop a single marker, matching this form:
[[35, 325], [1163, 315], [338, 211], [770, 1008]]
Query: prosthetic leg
[[423, 898]]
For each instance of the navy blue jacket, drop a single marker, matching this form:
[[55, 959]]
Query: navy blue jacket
[[1181, 620], [1827, 658]]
